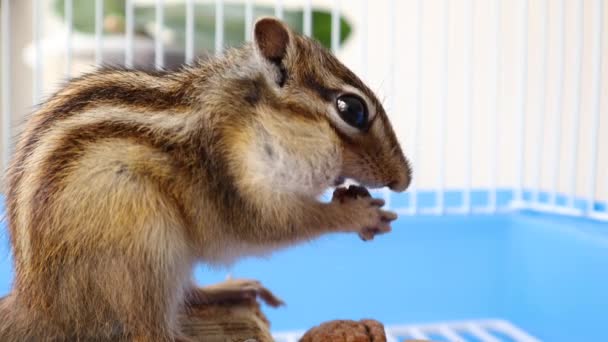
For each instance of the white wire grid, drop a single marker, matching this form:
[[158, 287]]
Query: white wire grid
[[493, 330], [590, 208]]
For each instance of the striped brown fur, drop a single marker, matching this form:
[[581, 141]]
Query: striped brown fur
[[123, 180]]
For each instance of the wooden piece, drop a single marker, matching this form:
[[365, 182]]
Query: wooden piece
[[236, 322], [240, 322]]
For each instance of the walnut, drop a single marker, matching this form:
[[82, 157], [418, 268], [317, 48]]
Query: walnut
[[365, 330]]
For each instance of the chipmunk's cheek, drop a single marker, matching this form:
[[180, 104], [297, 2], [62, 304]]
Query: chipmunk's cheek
[[302, 162]]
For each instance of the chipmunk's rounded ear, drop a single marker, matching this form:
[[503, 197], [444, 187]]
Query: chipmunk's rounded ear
[[272, 38]]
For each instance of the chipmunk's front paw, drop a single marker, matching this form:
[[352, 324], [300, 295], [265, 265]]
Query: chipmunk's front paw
[[232, 291], [368, 218]]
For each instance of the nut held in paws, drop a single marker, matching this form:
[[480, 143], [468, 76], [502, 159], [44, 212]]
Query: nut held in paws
[[352, 191]]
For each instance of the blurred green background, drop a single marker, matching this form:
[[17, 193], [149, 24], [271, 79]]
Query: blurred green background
[[204, 21]]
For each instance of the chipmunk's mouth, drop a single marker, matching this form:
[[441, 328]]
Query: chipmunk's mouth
[[343, 180], [339, 181]]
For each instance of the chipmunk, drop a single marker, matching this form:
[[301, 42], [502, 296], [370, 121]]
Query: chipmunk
[[124, 179]]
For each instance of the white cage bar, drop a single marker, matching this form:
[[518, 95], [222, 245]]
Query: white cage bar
[[540, 123], [442, 112], [569, 77], [484, 330], [493, 130], [522, 103], [6, 81], [219, 26], [129, 33], [414, 133], [363, 45], [449, 333], [308, 18], [37, 73], [159, 47], [189, 31], [481, 334], [415, 332], [391, 61], [596, 86], [248, 19], [468, 102], [278, 9], [576, 115], [99, 31], [557, 114], [335, 26], [69, 6]]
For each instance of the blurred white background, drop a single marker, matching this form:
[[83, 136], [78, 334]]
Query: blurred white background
[[483, 66]]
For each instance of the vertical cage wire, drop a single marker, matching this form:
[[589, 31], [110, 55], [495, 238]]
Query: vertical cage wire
[[307, 29], [576, 114], [522, 97], [468, 102], [363, 45], [278, 9], [596, 85], [69, 23], [443, 109], [189, 31], [335, 26], [98, 32], [129, 32], [417, 106], [159, 52], [391, 53], [248, 19], [6, 81], [38, 64], [554, 117], [557, 114], [391, 75], [540, 116], [493, 128], [219, 26]]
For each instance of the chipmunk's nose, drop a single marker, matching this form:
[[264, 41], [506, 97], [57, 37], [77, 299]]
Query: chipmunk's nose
[[399, 185], [401, 181]]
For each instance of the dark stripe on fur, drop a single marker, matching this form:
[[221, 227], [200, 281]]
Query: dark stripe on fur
[[95, 94], [200, 159], [325, 93]]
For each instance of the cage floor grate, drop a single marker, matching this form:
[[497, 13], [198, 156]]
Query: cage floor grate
[[486, 330]]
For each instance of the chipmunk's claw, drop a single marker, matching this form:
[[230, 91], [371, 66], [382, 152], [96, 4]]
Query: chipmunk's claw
[[235, 291], [382, 223]]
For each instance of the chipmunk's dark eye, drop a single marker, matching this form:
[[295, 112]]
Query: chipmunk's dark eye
[[352, 110]]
